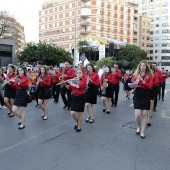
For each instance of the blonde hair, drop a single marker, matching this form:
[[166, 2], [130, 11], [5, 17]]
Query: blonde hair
[[148, 71]]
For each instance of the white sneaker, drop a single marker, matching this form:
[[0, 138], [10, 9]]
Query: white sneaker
[[4, 107]]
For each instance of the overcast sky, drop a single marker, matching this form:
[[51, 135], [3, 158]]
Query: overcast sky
[[25, 12]]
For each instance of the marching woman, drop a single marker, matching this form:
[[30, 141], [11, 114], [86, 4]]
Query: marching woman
[[127, 79], [21, 85], [106, 83], [144, 78], [92, 83], [44, 84], [10, 91], [154, 92], [55, 80], [78, 99]]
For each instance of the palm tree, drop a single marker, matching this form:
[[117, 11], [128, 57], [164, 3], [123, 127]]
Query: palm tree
[[83, 46]]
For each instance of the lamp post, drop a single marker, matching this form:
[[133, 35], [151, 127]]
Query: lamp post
[[1, 30], [75, 32]]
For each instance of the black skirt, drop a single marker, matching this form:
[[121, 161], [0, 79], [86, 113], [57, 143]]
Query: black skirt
[[9, 92], [78, 103], [126, 85], [91, 94], [109, 91], [44, 93], [142, 99], [21, 98]]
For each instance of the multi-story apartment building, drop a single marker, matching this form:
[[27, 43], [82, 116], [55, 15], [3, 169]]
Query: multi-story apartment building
[[159, 12], [14, 31], [143, 39], [110, 18]]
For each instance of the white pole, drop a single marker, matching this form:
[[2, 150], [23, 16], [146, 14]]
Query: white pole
[[75, 32]]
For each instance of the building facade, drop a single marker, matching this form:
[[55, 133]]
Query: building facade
[[159, 12], [116, 19], [14, 31]]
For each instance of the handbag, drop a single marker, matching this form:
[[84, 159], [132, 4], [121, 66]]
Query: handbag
[[29, 98]]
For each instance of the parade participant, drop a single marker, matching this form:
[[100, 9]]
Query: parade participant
[[158, 88], [1, 91], [163, 78], [92, 83], [153, 93], [81, 66], [106, 83], [44, 83], [144, 78], [56, 88], [31, 79], [39, 65], [116, 81], [78, 99], [21, 85], [127, 79], [67, 73], [9, 94]]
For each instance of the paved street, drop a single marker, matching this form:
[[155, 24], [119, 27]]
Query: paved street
[[110, 143]]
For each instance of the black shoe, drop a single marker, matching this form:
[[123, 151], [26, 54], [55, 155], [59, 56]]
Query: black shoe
[[126, 96], [115, 105], [75, 127], [43, 115], [88, 118], [148, 124], [104, 110], [11, 115], [19, 123], [91, 121], [64, 107], [108, 112], [78, 130], [21, 127], [142, 137], [137, 133]]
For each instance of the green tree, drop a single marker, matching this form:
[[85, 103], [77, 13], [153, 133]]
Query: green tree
[[82, 46], [105, 62], [46, 53], [130, 56]]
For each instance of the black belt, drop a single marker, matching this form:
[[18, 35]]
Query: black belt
[[77, 94]]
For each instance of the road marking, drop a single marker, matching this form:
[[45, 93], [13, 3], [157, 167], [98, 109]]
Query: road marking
[[131, 105], [13, 146]]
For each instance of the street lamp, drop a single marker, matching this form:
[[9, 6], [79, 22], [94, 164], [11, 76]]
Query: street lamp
[[75, 32]]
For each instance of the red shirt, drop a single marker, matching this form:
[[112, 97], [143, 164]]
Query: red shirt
[[23, 85], [159, 74], [163, 77], [46, 81], [3, 76], [69, 72], [84, 71], [10, 76], [116, 77], [155, 80], [55, 78], [109, 78], [148, 82], [94, 77], [126, 77], [81, 89]]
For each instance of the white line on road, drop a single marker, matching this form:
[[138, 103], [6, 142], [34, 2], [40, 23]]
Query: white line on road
[[13, 146]]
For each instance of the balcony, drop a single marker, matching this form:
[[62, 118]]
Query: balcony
[[135, 37], [84, 31], [85, 23]]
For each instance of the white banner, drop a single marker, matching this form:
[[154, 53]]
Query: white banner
[[101, 52]]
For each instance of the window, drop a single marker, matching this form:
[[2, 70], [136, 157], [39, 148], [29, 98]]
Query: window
[[70, 5], [165, 51], [63, 22], [64, 15], [70, 29], [157, 25], [70, 37], [144, 14], [151, 51], [164, 11], [157, 18], [157, 32], [165, 31], [57, 23], [63, 6], [151, 6], [165, 18], [64, 30], [70, 13], [156, 38], [58, 31], [144, 1], [63, 38], [144, 8], [70, 21]]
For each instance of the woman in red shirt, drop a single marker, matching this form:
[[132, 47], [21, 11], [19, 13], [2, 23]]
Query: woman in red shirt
[[144, 78], [154, 92], [44, 84], [21, 86], [107, 92], [92, 83], [9, 94], [78, 99]]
